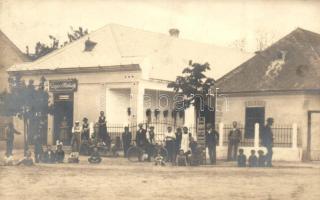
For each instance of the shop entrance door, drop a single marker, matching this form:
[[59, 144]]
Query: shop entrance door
[[63, 109]]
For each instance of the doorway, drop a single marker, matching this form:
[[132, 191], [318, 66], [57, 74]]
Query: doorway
[[63, 107], [313, 145], [253, 115]]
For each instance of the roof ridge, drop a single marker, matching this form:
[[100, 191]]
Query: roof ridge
[[64, 48]]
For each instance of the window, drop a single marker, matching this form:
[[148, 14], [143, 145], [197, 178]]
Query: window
[[253, 115]]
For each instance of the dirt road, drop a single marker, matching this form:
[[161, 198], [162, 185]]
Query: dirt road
[[119, 179]]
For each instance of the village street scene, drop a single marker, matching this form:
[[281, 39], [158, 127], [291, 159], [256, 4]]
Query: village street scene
[[159, 99]]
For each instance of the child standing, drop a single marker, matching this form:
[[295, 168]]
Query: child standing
[[261, 159], [253, 160], [242, 159], [181, 159]]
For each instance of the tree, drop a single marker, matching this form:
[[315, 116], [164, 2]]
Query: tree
[[42, 49], [194, 88], [27, 103]]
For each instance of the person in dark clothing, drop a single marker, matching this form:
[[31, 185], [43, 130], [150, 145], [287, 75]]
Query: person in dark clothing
[[234, 138], [48, 156], [103, 134], [253, 160], [85, 130], [151, 142], [242, 159], [59, 154], [170, 141], [95, 157], [195, 158], [141, 137], [10, 131], [38, 151], [261, 159], [178, 139], [267, 141], [126, 140], [85, 137], [27, 160], [212, 138]]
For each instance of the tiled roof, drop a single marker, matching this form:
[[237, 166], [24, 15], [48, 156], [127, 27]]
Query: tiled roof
[[160, 56], [292, 63], [9, 53]]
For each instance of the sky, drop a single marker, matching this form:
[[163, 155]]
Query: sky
[[210, 21]]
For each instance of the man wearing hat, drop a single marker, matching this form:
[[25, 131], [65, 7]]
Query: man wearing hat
[[267, 141], [212, 139]]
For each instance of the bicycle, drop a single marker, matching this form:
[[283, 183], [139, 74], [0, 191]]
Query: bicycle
[[138, 154]]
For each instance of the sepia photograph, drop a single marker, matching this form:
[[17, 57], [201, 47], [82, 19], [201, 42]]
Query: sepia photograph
[[160, 99]]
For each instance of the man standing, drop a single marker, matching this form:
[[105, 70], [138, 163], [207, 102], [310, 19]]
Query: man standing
[[212, 138], [141, 137], [234, 140], [10, 130], [267, 141], [170, 138], [76, 137], [126, 140], [103, 134], [178, 140]]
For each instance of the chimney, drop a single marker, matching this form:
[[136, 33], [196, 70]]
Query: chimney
[[174, 32]]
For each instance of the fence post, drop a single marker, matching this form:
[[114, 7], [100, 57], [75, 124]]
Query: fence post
[[221, 133], [256, 135], [294, 135]]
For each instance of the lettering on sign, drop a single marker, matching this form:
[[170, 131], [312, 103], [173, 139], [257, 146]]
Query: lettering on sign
[[67, 85]]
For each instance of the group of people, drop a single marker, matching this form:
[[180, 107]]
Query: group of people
[[263, 160], [182, 148]]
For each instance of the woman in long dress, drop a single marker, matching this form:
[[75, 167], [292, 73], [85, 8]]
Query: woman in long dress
[[185, 140]]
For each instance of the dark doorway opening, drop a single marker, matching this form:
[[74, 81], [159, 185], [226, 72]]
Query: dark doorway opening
[[253, 115], [63, 107]]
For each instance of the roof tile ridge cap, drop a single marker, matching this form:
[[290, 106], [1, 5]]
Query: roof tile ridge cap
[[68, 46]]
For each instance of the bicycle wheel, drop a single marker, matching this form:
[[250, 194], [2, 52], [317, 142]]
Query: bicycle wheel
[[134, 154]]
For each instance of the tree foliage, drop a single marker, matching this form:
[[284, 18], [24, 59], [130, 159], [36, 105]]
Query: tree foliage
[[193, 84], [27, 102], [42, 49]]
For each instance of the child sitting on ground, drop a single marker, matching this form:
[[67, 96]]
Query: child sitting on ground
[[261, 159], [253, 160], [27, 160], [74, 157], [95, 157], [242, 159], [59, 154], [181, 159], [116, 147], [48, 156], [159, 160]]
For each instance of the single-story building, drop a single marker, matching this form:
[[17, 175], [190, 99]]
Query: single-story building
[[123, 71], [282, 82], [9, 55]]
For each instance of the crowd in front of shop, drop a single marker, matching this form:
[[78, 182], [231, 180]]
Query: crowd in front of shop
[[181, 148]]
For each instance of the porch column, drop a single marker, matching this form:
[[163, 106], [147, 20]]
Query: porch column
[[256, 135], [294, 135], [221, 133], [136, 102], [50, 130]]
